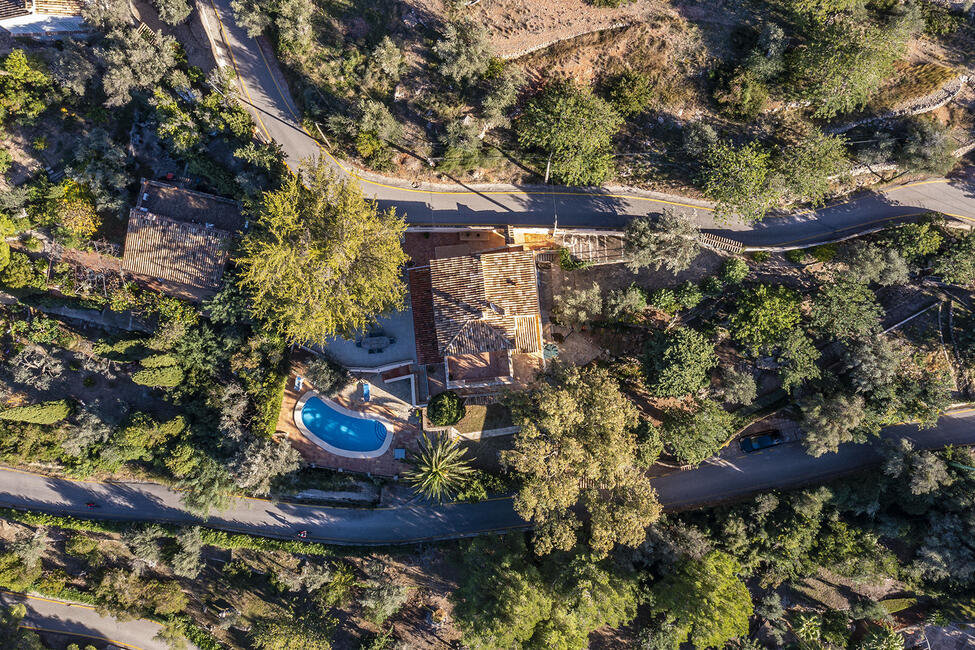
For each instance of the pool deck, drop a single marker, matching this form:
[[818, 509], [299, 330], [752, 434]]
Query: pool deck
[[405, 434]]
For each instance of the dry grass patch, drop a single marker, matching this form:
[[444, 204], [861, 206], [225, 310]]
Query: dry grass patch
[[914, 81]]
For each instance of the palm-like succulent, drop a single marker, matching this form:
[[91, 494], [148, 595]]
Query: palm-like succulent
[[440, 468]]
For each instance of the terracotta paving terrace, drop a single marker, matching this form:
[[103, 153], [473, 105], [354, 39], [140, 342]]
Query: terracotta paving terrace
[[405, 436]]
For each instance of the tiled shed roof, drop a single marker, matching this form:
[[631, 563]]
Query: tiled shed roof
[[180, 235], [159, 247]]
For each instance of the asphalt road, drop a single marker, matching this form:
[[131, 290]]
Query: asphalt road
[[263, 89], [84, 623], [780, 467]]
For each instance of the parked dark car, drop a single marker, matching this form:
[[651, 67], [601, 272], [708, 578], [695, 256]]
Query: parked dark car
[[761, 441]]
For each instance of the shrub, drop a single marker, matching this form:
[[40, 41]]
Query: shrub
[[631, 92], [761, 256], [579, 306], [158, 361], [665, 300], [21, 273], [648, 444], [957, 264], [445, 408], [43, 413], [738, 387], [625, 305], [167, 377], [765, 314], [796, 256], [689, 295], [382, 600], [568, 262], [327, 376], [734, 270], [916, 241], [824, 253], [713, 286]]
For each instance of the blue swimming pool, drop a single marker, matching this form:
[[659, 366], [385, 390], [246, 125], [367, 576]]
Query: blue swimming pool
[[341, 432]]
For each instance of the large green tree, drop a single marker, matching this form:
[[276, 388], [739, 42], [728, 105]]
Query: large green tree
[[12, 635], [572, 130], [708, 602], [957, 265], [844, 60], [504, 600], [670, 242], [765, 315], [695, 436], [798, 357], [742, 181], [830, 421], [807, 165], [846, 309], [321, 259], [24, 84], [577, 450], [678, 362]]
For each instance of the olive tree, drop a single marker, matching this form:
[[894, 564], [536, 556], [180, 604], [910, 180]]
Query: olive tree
[[572, 129], [576, 450], [464, 51], [670, 241]]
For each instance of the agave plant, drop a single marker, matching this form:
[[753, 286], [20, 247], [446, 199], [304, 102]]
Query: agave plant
[[440, 468]]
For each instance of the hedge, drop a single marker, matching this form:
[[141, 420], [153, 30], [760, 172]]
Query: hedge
[[223, 539], [210, 536], [445, 408], [158, 361], [43, 413], [166, 377], [269, 406], [62, 521], [894, 605]]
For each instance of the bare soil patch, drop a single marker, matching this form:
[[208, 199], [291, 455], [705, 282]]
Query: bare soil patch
[[518, 26]]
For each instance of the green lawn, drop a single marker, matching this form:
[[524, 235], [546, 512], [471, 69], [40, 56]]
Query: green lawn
[[484, 418]]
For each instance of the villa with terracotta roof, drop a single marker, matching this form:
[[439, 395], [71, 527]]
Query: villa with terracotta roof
[[472, 324], [180, 238], [485, 311]]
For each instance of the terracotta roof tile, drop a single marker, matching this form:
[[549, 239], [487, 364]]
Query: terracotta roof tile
[[492, 289]]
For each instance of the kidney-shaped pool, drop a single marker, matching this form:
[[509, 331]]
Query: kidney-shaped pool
[[339, 430]]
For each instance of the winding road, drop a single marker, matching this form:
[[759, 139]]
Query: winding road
[[716, 480], [83, 622], [264, 90]]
